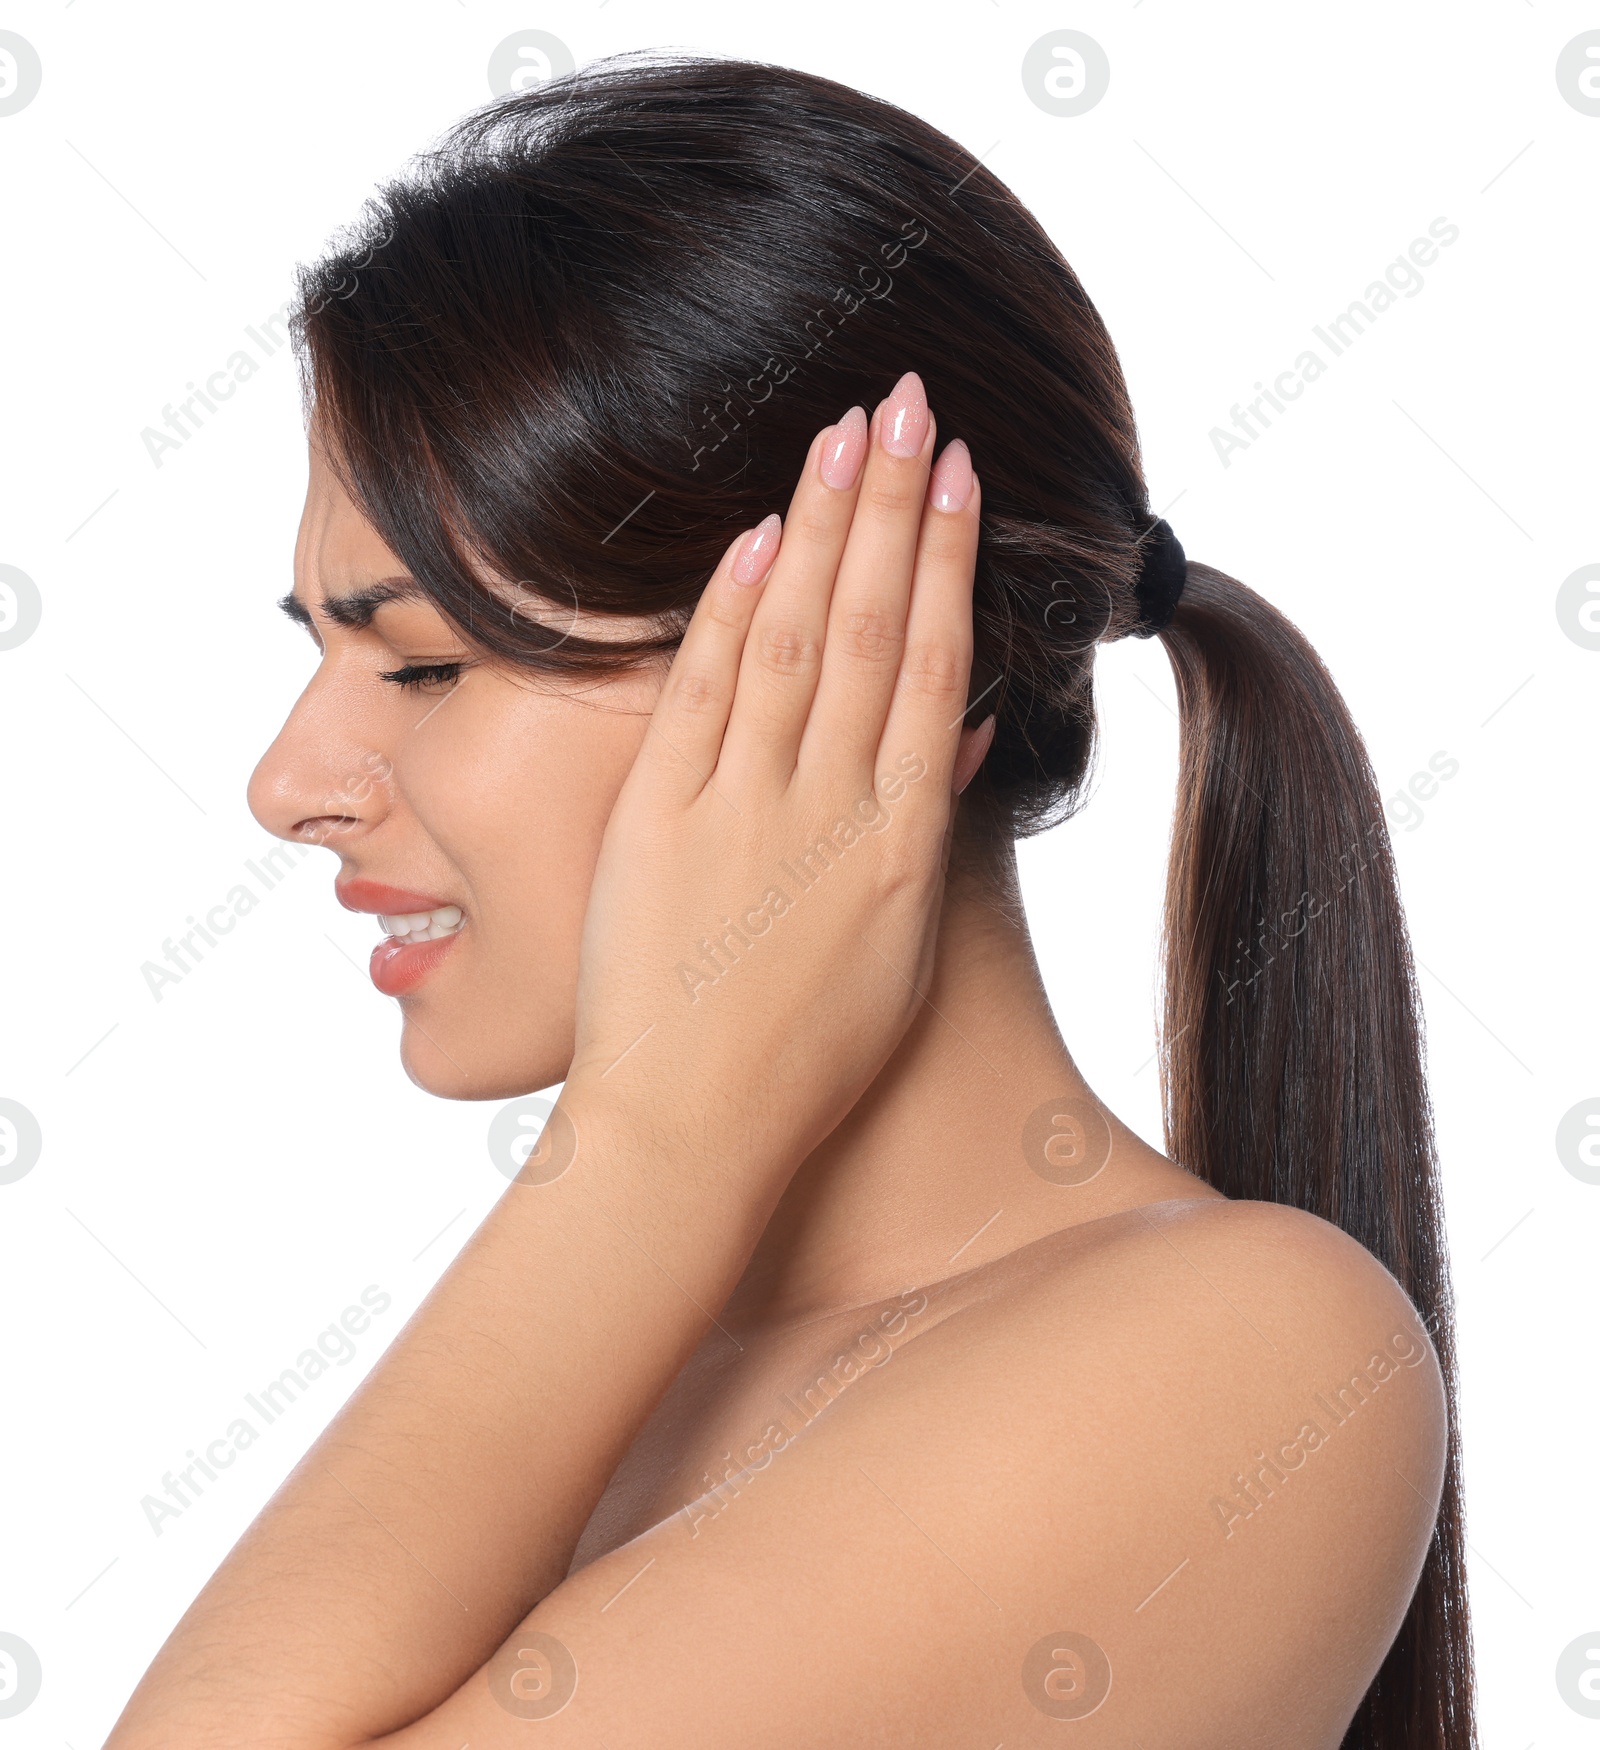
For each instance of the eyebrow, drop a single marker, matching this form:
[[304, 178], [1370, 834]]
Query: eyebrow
[[356, 607]]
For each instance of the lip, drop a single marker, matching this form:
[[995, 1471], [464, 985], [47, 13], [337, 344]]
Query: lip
[[397, 968], [374, 896]]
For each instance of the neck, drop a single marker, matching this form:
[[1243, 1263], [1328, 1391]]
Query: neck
[[978, 1136]]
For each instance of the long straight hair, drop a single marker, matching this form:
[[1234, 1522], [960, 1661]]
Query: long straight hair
[[591, 335]]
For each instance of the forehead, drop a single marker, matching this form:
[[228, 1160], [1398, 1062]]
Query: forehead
[[338, 554], [337, 547]]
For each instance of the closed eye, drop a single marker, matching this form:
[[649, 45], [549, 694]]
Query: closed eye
[[419, 675]]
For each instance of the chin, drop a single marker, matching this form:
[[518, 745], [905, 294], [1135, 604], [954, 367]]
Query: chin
[[460, 1064]]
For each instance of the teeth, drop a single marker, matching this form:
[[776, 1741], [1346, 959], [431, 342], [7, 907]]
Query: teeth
[[422, 926]]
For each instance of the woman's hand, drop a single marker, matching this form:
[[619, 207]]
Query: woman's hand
[[764, 909]]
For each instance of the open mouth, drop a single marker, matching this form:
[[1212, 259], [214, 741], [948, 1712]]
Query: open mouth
[[421, 926], [413, 945], [416, 934]]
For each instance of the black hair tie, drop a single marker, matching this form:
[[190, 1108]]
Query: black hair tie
[[1161, 579]]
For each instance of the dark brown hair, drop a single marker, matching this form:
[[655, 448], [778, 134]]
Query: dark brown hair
[[590, 337]]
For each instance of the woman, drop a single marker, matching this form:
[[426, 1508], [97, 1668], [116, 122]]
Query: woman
[[1166, 1449]]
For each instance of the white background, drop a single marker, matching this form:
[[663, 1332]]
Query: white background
[[225, 1170]]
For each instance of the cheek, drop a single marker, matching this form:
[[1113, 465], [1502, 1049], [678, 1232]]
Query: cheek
[[515, 785]]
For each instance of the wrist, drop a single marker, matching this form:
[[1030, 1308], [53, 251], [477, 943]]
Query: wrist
[[611, 1129]]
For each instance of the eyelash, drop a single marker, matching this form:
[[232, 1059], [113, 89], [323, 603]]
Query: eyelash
[[422, 674]]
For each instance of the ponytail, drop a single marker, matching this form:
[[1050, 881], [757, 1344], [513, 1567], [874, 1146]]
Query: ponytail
[[1292, 1048]]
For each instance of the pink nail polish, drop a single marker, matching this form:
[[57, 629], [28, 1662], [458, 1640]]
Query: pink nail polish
[[905, 417], [757, 551], [844, 449], [950, 483], [984, 740]]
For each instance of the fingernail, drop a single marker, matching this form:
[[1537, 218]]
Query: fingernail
[[985, 739], [844, 448], [950, 483], [757, 550], [904, 426]]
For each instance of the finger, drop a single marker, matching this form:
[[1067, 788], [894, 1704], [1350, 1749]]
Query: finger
[[691, 713], [783, 653], [867, 614], [923, 728]]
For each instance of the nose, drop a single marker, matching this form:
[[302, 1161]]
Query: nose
[[322, 779]]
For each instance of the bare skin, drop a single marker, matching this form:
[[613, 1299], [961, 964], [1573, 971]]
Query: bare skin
[[639, 1472]]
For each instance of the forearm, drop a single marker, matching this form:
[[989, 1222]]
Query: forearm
[[448, 1495]]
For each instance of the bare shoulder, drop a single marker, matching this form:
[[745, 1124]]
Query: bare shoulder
[[1257, 1306], [1230, 1428], [1254, 1391], [1170, 1476], [1314, 1280]]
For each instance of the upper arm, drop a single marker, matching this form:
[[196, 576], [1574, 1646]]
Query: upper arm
[[1186, 1477]]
